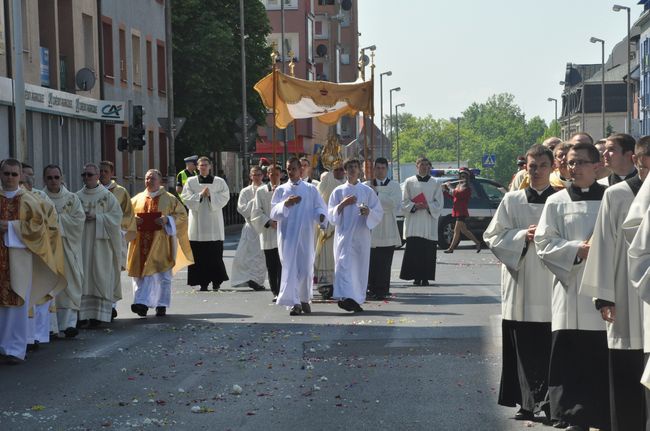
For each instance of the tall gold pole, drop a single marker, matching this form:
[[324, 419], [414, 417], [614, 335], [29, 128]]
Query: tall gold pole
[[274, 58], [369, 174], [292, 72]]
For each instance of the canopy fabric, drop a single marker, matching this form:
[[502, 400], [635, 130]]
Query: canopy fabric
[[327, 101]]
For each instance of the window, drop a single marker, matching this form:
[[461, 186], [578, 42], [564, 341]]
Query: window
[[110, 143], [321, 27], [149, 64], [275, 4], [107, 42], [89, 45], [123, 72], [325, 2], [135, 52], [162, 145], [161, 63]]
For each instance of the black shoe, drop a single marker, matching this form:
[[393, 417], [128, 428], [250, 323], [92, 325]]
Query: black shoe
[[306, 308], [82, 324], [161, 311], [424, 282], [296, 310], [33, 347], [14, 360], [255, 286], [275, 298], [139, 309], [204, 288], [71, 332], [216, 287], [560, 425], [326, 291], [575, 428], [349, 304], [524, 415], [94, 323], [371, 296], [113, 314], [417, 283]]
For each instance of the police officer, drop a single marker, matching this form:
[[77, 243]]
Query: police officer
[[189, 171]]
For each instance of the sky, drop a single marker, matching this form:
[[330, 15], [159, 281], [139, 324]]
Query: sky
[[446, 55]]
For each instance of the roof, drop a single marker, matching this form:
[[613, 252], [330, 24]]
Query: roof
[[615, 74]]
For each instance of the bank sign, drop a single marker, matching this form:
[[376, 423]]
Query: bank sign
[[67, 104]]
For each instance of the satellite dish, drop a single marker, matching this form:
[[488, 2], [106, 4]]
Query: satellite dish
[[321, 50], [365, 60], [85, 79], [346, 4]]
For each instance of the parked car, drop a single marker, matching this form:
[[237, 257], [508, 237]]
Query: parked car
[[486, 197]]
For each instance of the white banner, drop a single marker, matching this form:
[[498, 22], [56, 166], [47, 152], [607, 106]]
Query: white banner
[[61, 103]]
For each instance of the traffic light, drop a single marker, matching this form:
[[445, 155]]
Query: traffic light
[[137, 130], [122, 144]]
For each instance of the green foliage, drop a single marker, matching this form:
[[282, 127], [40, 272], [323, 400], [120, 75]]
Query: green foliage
[[496, 126], [207, 70]]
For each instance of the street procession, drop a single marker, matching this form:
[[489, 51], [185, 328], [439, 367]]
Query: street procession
[[209, 221]]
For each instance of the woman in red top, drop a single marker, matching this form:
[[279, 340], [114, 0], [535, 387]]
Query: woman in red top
[[459, 211]]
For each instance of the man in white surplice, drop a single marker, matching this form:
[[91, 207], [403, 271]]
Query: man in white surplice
[[71, 224], [297, 207], [248, 266], [525, 289], [606, 279], [354, 209], [578, 370]]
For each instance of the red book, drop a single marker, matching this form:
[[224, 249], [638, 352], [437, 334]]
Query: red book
[[149, 221], [419, 199]]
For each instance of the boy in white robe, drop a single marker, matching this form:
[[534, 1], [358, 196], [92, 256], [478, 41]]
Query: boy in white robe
[[606, 279], [354, 209], [619, 159], [297, 207], [249, 266], [578, 383], [525, 282]]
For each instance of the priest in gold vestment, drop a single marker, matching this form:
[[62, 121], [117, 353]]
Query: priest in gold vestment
[[101, 248], [31, 260], [161, 246]]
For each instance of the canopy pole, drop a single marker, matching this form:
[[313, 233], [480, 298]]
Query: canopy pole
[[274, 58], [370, 174]]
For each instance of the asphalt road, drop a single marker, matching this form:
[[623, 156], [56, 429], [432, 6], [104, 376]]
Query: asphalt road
[[231, 360]]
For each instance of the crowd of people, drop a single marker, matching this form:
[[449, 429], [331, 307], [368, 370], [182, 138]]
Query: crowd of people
[[64, 252], [572, 236]]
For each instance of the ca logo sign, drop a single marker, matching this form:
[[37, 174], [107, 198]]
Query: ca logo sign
[[111, 111]]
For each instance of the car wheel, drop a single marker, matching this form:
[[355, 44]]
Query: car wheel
[[445, 232]]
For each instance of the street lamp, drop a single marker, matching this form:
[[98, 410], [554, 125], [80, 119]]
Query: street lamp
[[551, 99], [628, 118], [401, 105], [568, 110], [602, 81], [362, 60], [381, 108], [390, 102]]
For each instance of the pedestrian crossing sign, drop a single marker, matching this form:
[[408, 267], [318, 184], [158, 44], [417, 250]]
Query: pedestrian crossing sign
[[489, 160]]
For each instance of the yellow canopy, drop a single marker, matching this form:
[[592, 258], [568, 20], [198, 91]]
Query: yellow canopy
[[297, 98]]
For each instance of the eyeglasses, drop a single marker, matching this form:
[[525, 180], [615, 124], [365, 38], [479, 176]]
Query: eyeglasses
[[53, 177], [10, 174], [574, 163], [87, 174]]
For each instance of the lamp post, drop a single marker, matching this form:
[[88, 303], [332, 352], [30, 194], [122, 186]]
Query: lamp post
[[381, 108], [362, 62], [552, 99], [401, 105], [602, 81], [390, 122], [568, 110], [628, 118]]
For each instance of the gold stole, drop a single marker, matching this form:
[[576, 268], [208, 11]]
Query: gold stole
[[9, 211]]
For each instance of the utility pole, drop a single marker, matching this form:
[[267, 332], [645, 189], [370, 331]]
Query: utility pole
[[171, 171], [244, 139], [20, 122]]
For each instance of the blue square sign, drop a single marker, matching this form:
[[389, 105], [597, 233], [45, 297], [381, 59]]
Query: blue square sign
[[489, 160]]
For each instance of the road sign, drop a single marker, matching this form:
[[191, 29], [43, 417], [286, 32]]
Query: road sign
[[489, 160], [250, 121], [179, 122]]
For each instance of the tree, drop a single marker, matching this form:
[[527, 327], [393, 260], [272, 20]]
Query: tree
[[207, 70]]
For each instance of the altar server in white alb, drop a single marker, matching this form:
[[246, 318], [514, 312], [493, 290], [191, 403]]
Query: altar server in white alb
[[71, 226], [385, 236], [268, 229], [606, 279], [525, 289], [102, 249], [297, 207], [205, 196], [578, 383], [618, 157], [160, 248], [354, 209], [249, 266], [422, 203]]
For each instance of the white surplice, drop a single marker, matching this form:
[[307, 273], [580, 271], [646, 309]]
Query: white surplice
[[261, 218], [525, 281], [563, 226], [386, 233], [605, 274], [324, 262], [296, 226], [422, 223], [249, 263], [352, 239], [205, 222]]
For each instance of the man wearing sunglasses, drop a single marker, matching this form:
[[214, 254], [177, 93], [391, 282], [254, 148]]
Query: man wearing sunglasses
[[31, 266], [578, 384], [101, 250], [71, 225]]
